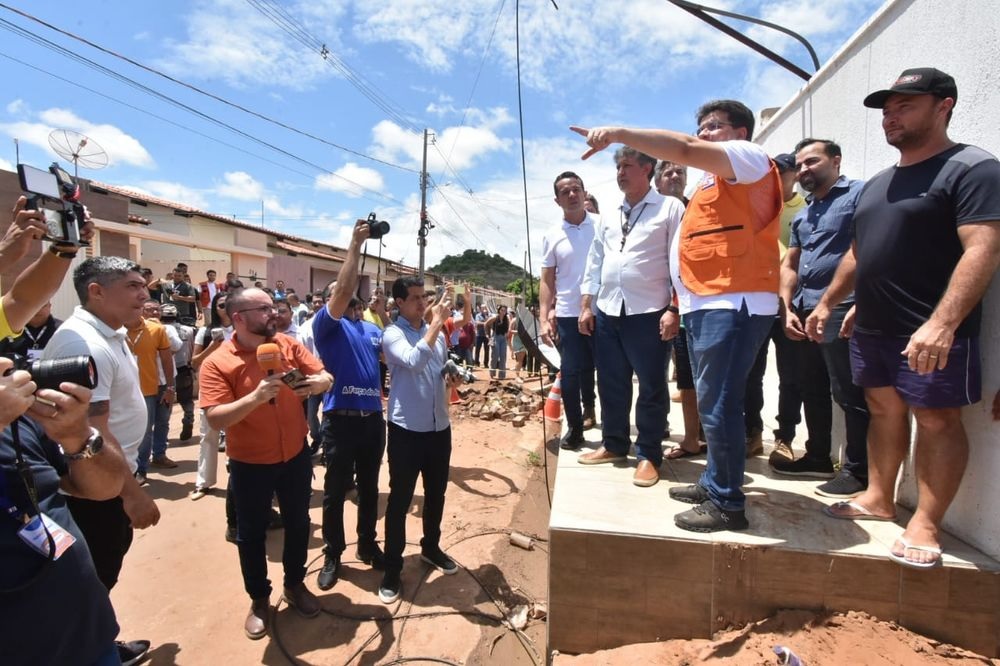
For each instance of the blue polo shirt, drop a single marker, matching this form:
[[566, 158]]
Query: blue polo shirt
[[349, 351], [824, 232]]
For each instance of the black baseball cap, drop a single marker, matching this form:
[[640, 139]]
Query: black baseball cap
[[917, 81], [785, 162]]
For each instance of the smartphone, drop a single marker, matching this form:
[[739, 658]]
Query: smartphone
[[459, 289], [438, 292], [293, 378], [218, 335]]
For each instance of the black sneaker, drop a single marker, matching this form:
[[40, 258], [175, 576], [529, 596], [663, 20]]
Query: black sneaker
[[132, 652], [231, 534], [186, 433], [389, 590], [572, 440], [437, 559], [816, 468], [707, 517], [373, 557], [844, 486], [693, 494], [330, 572]]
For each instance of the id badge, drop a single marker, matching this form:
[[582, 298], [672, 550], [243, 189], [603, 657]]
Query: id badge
[[35, 354], [34, 535]]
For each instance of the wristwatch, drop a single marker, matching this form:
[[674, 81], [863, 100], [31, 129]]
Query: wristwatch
[[91, 447]]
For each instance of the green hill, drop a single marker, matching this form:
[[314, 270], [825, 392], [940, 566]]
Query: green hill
[[477, 267]]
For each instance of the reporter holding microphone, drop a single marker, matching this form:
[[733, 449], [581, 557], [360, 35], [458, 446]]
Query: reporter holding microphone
[[242, 391]]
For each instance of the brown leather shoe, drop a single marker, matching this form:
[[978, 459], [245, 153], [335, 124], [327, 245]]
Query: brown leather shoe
[[258, 619], [162, 462], [755, 444], [782, 452], [301, 599], [646, 474], [599, 457]]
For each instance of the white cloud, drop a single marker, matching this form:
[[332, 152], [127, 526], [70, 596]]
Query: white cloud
[[5, 165], [241, 186], [351, 180], [16, 107], [231, 41], [174, 192]]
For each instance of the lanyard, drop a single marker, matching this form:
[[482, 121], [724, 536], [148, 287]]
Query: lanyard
[[627, 223], [35, 338], [133, 342]]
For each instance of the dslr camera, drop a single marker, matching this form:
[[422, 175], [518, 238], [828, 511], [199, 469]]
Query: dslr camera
[[52, 372], [376, 228], [57, 196], [454, 368]]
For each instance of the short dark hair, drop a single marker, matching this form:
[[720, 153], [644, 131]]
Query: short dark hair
[[738, 113], [640, 157], [211, 270], [566, 174], [354, 302], [829, 147], [103, 271], [401, 286]]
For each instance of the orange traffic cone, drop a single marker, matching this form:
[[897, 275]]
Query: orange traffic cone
[[455, 399], [553, 403]]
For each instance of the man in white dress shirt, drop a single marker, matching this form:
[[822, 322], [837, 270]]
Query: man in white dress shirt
[[628, 272]]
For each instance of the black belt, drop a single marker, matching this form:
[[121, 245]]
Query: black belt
[[352, 412]]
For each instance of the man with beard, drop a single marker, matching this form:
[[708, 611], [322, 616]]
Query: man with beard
[[820, 236], [265, 434], [926, 246]]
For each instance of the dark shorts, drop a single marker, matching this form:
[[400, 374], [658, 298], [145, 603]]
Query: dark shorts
[[877, 361]]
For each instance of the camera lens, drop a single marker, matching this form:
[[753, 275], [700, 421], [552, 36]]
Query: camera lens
[[76, 369]]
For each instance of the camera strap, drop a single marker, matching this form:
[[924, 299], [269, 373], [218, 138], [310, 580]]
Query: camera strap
[[28, 479]]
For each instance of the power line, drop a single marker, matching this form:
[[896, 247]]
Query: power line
[[41, 41], [201, 91], [286, 22]]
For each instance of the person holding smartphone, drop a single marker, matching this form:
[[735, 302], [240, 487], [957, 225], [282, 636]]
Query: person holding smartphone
[[218, 329]]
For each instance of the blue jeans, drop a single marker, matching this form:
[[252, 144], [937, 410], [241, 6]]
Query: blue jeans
[[623, 346], [577, 353], [253, 486], [157, 427], [313, 404], [498, 363], [723, 345]]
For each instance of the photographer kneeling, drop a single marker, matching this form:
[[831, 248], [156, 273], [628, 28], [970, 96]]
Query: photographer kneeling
[[55, 609]]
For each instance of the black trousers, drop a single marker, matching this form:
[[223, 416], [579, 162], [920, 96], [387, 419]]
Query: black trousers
[[789, 393], [108, 531], [352, 443], [412, 454]]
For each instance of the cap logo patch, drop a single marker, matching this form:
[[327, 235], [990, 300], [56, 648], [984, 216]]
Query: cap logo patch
[[911, 78]]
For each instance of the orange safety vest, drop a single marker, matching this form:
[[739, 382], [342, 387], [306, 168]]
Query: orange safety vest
[[721, 249]]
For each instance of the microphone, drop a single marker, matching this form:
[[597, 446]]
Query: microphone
[[269, 358]]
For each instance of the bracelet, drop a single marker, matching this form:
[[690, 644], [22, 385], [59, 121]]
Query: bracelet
[[673, 308], [54, 249]]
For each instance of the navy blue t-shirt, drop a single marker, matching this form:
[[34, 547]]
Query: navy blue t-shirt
[[906, 237], [65, 616], [349, 351]]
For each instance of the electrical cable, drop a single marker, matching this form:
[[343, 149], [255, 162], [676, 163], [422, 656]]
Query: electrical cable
[[201, 91], [41, 41]]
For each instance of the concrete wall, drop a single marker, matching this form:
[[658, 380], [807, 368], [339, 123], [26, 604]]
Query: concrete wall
[[963, 39]]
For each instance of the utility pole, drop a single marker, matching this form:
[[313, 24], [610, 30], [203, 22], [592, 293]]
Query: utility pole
[[425, 227]]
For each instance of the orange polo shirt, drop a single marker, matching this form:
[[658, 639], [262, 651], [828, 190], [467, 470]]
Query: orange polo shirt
[[145, 342], [270, 433]]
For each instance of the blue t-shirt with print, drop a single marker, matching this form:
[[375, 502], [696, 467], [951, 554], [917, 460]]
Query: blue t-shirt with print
[[349, 351]]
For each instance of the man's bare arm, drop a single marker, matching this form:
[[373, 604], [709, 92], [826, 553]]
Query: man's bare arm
[[663, 144], [138, 505]]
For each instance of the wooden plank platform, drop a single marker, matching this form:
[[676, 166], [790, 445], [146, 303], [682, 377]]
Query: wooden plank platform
[[620, 572]]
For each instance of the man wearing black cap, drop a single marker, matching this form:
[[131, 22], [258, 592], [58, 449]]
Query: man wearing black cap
[[926, 245]]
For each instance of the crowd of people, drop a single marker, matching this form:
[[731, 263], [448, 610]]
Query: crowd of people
[[870, 292]]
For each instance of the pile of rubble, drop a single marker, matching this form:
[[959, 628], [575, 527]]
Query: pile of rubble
[[511, 401]]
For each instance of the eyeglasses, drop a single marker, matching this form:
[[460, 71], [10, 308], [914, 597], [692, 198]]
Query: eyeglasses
[[261, 308], [711, 126]]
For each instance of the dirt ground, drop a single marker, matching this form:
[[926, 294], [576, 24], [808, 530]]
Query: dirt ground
[[181, 588]]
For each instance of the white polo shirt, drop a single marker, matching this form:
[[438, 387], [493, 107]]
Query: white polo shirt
[[83, 334], [565, 249], [634, 270]]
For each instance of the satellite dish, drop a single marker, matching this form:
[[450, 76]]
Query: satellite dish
[[78, 149]]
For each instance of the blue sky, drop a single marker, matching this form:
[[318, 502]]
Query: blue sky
[[445, 65]]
